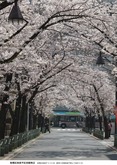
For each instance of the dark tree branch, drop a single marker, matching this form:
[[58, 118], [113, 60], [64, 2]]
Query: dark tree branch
[[52, 75], [5, 4], [39, 91], [16, 33], [40, 29]]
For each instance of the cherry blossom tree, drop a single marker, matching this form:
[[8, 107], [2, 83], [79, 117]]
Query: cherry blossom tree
[[87, 90], [39, 51]]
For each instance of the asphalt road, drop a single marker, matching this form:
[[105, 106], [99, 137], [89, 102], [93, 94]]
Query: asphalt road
[[66, 144]]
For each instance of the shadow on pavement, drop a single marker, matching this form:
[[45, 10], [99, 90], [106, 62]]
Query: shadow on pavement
[[112, 156], [74, 155]]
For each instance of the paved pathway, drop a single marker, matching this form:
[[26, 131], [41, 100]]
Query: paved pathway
[[66, 144]]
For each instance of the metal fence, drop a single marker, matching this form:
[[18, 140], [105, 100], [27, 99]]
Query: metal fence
[[10, 143]]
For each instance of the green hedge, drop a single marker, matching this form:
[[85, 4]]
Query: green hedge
[[85, 129], [98, 133]]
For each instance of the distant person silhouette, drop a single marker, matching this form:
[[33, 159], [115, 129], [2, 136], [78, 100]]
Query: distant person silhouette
[[109, 128]]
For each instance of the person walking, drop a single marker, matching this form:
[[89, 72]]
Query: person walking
[[109, 128], [47, 126]]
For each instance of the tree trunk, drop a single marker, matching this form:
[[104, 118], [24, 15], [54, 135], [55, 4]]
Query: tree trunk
[[42, 123], [87, 122], [100, 122], [39, 120], [16, 119], [3, 113], [34, 121], [106, 127], [23, 117], [4, 107], [31, 120]]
